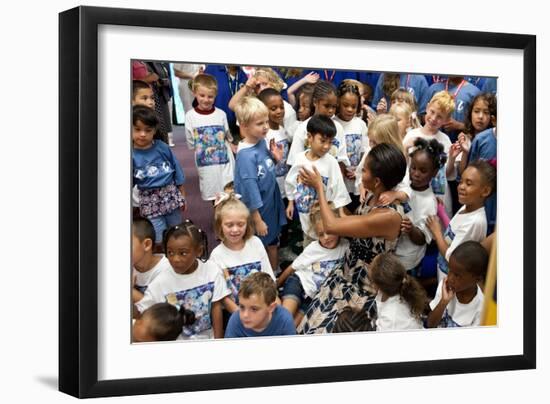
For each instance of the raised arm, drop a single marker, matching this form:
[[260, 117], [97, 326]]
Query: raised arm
[[311, 78], [245, 90]]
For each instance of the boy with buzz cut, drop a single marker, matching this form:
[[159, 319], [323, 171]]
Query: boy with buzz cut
[[320, 132], [146, 266], [459, 300], [259, 315]]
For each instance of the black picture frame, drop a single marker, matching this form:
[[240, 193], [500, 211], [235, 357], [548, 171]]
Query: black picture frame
[[78, 208]]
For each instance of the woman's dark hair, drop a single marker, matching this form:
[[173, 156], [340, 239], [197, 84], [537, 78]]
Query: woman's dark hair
[[390, 276], [350, 320], [322, 125], [487, 171], [187, 228], [433, 149], [491, 101], [167, 321], [345, 88], [390, 83], [321, 90], [388, 163], [149, 117], [267, 93]]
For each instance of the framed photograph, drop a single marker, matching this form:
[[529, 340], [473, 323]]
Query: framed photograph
[[96, 355]]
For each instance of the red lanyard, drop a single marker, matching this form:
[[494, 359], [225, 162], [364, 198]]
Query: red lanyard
[[457, 88], [331, 77]]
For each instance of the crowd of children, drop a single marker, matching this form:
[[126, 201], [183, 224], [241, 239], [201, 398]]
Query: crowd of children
[[386, 182]]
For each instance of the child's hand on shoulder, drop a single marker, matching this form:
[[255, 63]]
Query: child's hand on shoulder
[[387, 197]]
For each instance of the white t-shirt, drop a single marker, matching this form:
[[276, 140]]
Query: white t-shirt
[[462, 227], [281, 168], [338, 149], [196, 292], [421, 204], [292, 128], [457, 314], [395, 314], [143, 279], [206, 134], [237, 265], [304, 196], [290, 115], [355, 134], [316, 262], [439, 183]]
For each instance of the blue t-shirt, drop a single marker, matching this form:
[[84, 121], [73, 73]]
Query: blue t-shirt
[[255, 180], [281, 324], [156, 167], [371, 78], [484, 146], [226, 88], [465, 95], [415, 84], [477, 81], [335, 76], [490, 86]]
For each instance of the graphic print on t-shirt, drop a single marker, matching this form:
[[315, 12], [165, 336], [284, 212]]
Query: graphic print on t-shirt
[[447, 321], [210, 148], [323, 269], [442, 263], [235, 275], [334, 148], [197, 300], [439, 182], [281, 168], [152, 170], [305, 196], [353, 148]]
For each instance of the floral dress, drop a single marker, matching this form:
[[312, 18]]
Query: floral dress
[[349, 286]]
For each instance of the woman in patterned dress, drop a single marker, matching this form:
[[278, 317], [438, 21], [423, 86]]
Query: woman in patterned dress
[[373, 230]]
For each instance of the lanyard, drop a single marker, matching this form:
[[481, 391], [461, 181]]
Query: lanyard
[[331, 77], [457, 88], [407, 82], [233, 87]]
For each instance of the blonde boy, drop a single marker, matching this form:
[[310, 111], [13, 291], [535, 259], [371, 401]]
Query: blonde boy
[[207, 132]]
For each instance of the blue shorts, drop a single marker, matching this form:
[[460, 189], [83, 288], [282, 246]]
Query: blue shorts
[[293, 289]]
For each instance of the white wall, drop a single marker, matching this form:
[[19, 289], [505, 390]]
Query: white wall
[[28, 350]]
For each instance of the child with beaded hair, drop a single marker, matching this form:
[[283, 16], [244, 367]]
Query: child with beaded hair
[[207, 133], [438, 111]]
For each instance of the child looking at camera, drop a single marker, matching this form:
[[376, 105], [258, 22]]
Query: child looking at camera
[[207, 133], [320, 133], [259, 315], [191, 283], [156, 173], [240, 252], [303, 278], [458, 301]]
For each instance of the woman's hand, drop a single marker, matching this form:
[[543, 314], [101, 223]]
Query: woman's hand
[[312, 178]]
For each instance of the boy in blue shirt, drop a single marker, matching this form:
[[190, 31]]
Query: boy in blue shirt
[[259, 315]]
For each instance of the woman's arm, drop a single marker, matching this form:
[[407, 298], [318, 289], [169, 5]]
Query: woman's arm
[[382, 222]]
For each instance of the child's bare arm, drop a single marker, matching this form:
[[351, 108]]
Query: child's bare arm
[[259, 224], [284, 275], [435, 227], [248, 88], [391, 196], [309, 78], [229, 304], [217, 319], [436, 314]]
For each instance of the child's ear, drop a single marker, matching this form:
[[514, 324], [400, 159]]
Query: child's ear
[[147, 244], [272, 306], [486, 191]]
